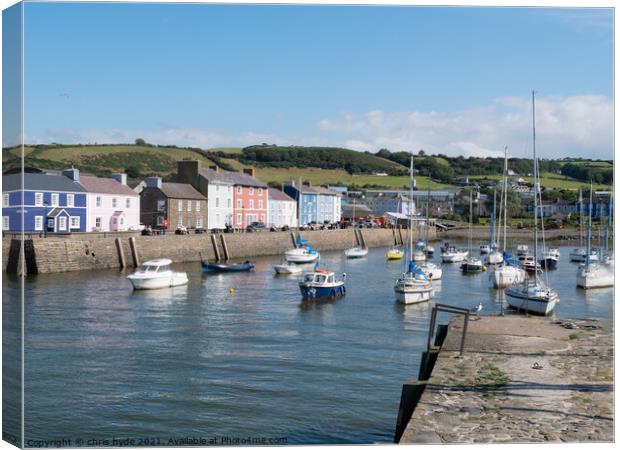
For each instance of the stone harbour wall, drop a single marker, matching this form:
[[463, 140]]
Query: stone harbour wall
[[61, 254]]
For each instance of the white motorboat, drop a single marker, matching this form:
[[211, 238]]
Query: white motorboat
[[550, 259], [356, 252], [485, 248], [507, 275], [579, 255], [413, 286], [530, 264], [429, 250], [156, 274], [522, 250], [453, 255], [287, 269], [472, 265], [301, 255], [432, 271], [533, 295]]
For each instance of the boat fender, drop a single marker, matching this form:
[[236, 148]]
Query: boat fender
[[232, 291], [344, 276]]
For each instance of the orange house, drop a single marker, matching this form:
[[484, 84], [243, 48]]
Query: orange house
[[250, 199]]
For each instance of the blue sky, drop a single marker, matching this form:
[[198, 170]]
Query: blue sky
[[455, 80]]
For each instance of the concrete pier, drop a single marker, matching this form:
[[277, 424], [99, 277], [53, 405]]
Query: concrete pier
[[521, 379]]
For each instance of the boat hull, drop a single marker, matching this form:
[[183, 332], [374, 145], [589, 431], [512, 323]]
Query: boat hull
[[507, 276], [517, 298], [495, 258], [301, 258], [549, 263], [287, 269], [410, 296], [394, 255], [433, 272], [595, 277], [356, 252], [145, 283], [310, 292], [453, 257], [221, 268]]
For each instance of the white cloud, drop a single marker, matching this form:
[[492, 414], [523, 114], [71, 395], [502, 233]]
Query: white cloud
[[575, 126]]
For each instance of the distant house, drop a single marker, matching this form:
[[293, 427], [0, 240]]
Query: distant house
[[235, 198], [382, 202], [112, 205], [171, 205], [51, 202], [282, 209], [315, 204]]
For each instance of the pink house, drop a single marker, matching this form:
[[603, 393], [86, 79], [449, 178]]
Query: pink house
[[112, 205]]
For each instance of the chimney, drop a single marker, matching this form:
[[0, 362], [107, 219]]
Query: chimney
[[153, 182], [120, 177], [187, 171], [214, 168], [251, 171], [306, 183], [73, 174]]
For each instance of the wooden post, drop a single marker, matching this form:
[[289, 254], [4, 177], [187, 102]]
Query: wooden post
[[225, 247], [293, 239], [134, 251], [216, 250], [400, 235], [357, 239], [121, 255], [362, 240]]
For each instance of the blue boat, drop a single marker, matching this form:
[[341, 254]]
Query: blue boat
[[322, 285], [224, 267]]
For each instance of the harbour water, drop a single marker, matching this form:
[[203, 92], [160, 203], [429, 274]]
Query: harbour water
[[104, 362]]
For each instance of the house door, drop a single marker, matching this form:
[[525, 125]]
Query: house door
[[50, 224]]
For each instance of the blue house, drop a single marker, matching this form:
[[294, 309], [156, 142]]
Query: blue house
[[306, 202], [51, 202]]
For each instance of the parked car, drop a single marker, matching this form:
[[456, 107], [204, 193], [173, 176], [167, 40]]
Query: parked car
[[200, 230], [147, 231], [255, 226], [273, 228], [181, 230]]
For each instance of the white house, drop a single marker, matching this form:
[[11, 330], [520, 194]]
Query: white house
[[112, 205], [282, 209]]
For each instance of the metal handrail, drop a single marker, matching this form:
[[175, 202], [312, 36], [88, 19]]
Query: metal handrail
[[450, 309]]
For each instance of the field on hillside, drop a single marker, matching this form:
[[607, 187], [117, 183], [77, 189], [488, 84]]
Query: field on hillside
[[550, 180]]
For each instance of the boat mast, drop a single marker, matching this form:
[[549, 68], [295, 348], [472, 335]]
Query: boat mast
[[410, 208], [505, 193], [470, 216], [535, 182], [492, 221], [589, 228], [580, 220]]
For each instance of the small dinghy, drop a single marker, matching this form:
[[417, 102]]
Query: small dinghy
[[226, 267]]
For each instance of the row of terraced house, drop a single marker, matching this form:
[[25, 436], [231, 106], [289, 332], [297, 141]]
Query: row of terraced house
[[40, 200]]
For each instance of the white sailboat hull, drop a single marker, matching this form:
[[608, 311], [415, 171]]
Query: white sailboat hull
[[595, 277], [508, 275], [453, 257], [532, 299], [158, 281], [287, 269], [432, 271], [300, 256], [495, 258], [579, 255], [356, 252], [419, 256], [411, 294]]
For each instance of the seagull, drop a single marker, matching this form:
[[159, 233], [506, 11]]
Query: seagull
[[477, 309]]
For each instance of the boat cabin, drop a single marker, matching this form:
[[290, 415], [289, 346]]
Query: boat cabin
[[156, 265], [319, 278]]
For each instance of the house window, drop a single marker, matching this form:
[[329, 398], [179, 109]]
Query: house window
[[180, 221], [217, 202], [98, 201], [74, 221], [113, 202], [239, 204], [262, 217], [251, 204], [70, 200], [260, 204], [5, 200], [189, 206], [62, 223], [189, 222], [239, 219], [239, 189], [198, 202], [122, 220], [5, 222], [38, 223], [161, 205], [98, 223], [251, 190], [260, 191], [198, 222], [127, 203], [55, 199], [38, 199], [160, 221], [180, 208]]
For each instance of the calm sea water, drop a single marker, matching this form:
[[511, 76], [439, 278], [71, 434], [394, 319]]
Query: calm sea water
[[105, 362]]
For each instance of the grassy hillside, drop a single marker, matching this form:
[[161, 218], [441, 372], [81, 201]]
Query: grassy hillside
[[138, 161]]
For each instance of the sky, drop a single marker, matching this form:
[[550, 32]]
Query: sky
[[452, 80]]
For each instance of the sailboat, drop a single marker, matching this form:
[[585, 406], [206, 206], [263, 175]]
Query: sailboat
[[428, 248], [533, 295], [357, 250], [413, 286], [592, 275], [579, 254], [495, 256], [509, 272], [471, 264]]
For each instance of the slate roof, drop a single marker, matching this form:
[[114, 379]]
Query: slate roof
[[40, 182], [98, 185], [234, 178], [182, 191], [275, 194], [324, 191]]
